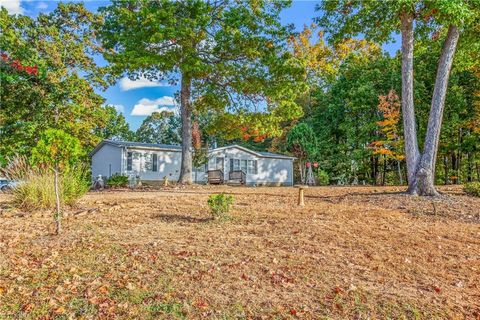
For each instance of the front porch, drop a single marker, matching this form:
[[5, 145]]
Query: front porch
[[233, 177]]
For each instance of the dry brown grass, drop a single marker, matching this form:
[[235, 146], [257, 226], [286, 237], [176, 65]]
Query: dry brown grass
[[359, 253]]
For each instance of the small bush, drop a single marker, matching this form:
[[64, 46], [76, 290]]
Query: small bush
[[117, 181], [472, 188], [220, 204], [322, 178]]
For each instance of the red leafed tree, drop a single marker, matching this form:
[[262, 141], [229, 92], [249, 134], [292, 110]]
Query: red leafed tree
[[200, 156], [196, 136], [391, 147]]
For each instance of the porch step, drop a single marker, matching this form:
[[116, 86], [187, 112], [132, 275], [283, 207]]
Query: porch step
[[233, 183]]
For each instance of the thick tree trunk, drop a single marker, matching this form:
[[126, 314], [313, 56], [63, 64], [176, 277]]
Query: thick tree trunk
[[186, 114], [424, 184], [412, 153]]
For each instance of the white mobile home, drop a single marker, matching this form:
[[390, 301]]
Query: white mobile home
[[153, 162]]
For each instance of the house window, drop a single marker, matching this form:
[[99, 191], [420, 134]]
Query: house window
[[234, 164], [129, 161], [150, 161], [252, 166], [243, 165], [247, 166], [155, 162], [219, 163]]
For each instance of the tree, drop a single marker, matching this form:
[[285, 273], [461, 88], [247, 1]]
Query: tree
[[230, 58], [390, 147], [60, 93], [378, 20], [114, 126], [302, 142], [59, 151], [345, 115], [200, 154], [160, 127]]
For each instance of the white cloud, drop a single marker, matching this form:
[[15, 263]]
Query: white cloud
[[12, 6], [42, 6], [146, 107], [127, 84], [119, 107]]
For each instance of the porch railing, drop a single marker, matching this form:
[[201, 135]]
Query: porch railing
[[238, 175], [215, 176]]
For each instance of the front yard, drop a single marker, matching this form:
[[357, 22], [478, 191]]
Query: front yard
[[362, 252]]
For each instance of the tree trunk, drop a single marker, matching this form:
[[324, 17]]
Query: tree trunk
[[301, 168], [469, 167], [454, 166], [58, 217], [400, 176], [384, 174], [186, 114], [424, 184], [412, 153], [445, 168]]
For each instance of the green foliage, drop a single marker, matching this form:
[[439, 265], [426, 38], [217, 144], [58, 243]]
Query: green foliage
[[117, 181], [302, 142], [322, 178], [114, 126], [56, 148], [62, 95], [160, 127], [232, 55], [347, 18], [36, 189], [220, 204], [472, 188]]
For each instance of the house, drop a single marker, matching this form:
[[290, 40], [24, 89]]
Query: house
[[153, 162]]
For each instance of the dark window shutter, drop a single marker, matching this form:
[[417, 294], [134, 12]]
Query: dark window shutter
[[129, 161], [154, 162]]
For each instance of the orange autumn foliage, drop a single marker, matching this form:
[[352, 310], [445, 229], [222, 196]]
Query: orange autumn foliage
[[391, 146]]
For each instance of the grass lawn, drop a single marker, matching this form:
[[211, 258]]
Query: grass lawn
[[361, 252]]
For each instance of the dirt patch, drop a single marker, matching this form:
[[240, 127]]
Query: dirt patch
[[365, 252]]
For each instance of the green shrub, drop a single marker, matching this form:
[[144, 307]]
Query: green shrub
[[117, 181], [36, 190], [322, 178], [472, 188], [220, 204]]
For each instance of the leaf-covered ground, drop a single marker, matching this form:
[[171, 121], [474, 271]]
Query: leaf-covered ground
[[364, 252]]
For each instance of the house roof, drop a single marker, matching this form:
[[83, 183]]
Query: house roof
[[168, 147], [260, 154], [141, 145]]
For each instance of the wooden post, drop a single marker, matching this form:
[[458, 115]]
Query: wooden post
[[301, 188]]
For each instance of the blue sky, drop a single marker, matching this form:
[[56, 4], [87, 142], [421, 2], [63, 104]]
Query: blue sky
[[137, 99]]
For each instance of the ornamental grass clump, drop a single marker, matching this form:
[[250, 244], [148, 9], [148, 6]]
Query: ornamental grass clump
[[220, 205], [34, 188]]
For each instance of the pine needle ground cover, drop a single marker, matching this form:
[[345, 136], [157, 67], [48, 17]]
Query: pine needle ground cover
[[365, 252]]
